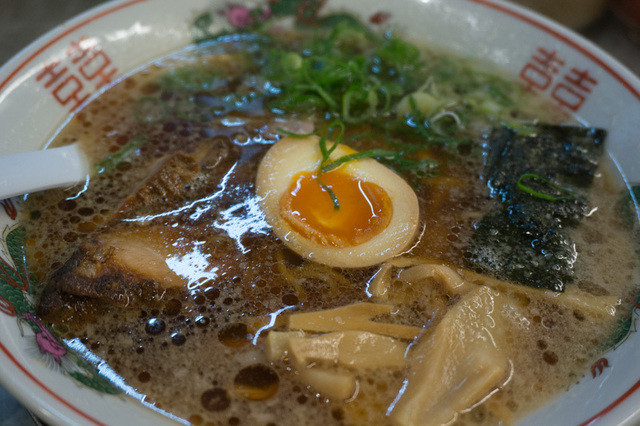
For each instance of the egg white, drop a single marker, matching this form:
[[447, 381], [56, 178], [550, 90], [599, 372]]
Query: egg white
[[292, 155]]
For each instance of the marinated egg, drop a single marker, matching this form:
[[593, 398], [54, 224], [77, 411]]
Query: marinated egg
[[375, 217]]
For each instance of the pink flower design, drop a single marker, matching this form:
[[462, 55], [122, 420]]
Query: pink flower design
[[47, 343], [239, 16], [266, 13]]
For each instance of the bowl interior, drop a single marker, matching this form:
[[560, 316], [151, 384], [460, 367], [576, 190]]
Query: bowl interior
[[41, 86]]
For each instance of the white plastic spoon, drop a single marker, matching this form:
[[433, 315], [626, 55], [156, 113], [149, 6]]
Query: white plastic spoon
[[34, 171]]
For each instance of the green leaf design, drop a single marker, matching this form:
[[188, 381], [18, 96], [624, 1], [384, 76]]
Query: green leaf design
[[200, 30], [89, 375], [15, 245], [95, 381], [14, 295], [14, 276], [285, 7]]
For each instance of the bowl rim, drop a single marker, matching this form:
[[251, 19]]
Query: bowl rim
[[47, 406], [46, 40], [54, 409]]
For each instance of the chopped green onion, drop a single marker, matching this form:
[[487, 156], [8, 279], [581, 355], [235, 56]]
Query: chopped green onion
[[569, 194], [372, 153], [293, 134], [114, 160], [334, 198], [291, 62], [326, 155]]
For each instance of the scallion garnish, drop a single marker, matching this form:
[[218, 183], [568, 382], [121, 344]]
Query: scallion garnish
[[563, 193], [372, 153], [294, 134], [326, 156], [114, 160], [394, 158]]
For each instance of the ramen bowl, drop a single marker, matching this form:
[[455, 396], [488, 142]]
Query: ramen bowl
[[42, 86]]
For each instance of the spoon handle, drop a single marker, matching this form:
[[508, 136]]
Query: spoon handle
[[39, 170]]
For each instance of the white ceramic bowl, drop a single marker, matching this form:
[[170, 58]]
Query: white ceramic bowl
[[44, 83]]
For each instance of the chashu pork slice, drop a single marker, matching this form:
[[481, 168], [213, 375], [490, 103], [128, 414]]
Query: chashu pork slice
[[122, 267], [129, 266], [128, 263], [177, 179]]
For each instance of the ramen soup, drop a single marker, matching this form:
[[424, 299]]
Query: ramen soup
[[341, 228]]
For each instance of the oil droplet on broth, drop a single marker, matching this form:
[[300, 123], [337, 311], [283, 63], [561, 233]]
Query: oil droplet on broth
[[216, 399], [234, 335], [256, 382]]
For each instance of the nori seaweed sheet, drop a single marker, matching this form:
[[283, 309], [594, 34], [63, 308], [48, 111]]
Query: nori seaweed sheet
[[566, 155], [512, 252], [525, 239]]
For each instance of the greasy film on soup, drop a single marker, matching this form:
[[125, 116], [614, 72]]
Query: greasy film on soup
[[331, 225]]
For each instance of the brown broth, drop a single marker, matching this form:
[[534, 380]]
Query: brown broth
[[194, 351]]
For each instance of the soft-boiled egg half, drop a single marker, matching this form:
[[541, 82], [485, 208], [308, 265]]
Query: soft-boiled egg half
[[377, 214]]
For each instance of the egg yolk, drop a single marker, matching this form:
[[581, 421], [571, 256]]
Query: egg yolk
[[364, 208]]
